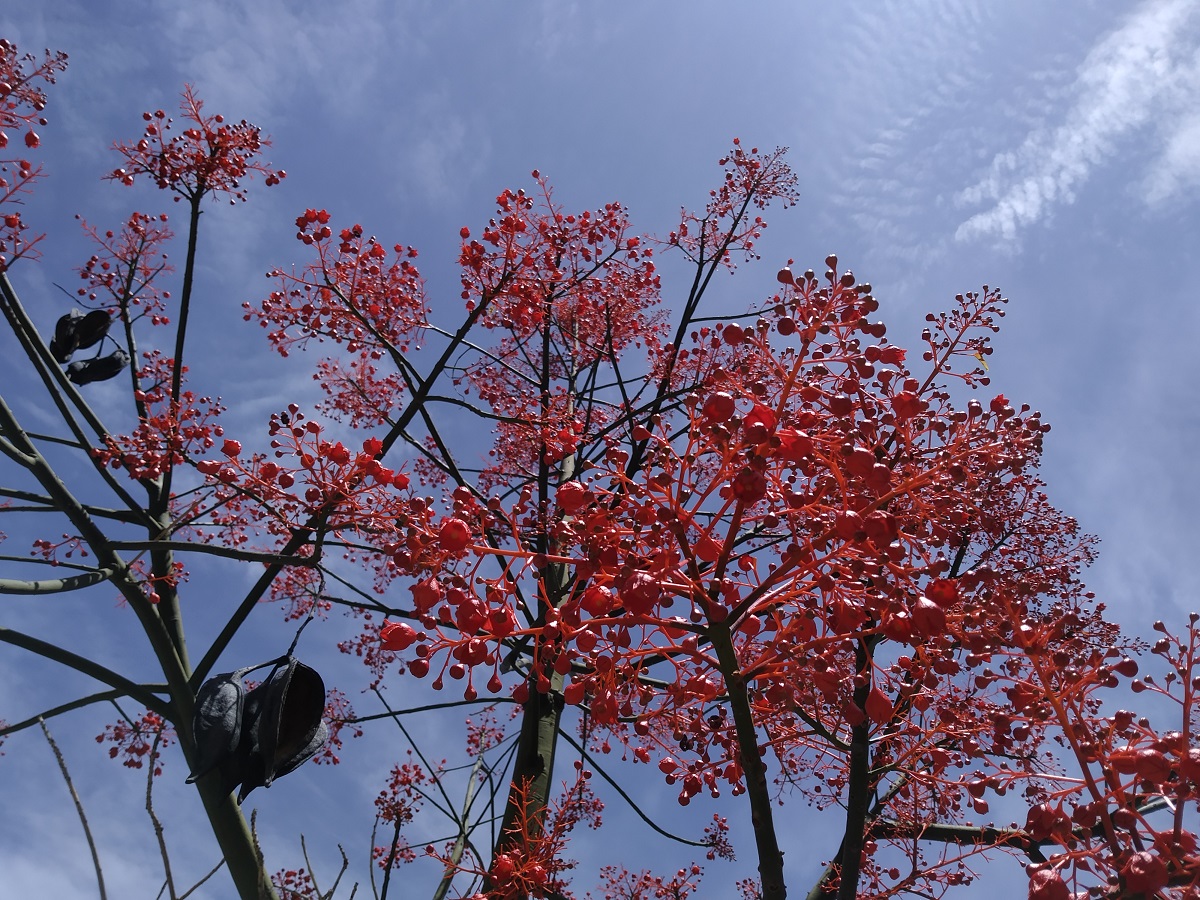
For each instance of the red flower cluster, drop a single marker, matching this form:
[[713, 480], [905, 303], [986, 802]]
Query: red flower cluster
[[582, 281], [294, 884], [358, 295], [167, 433], [618, 883], [210, 155], [138, 741], [22, 100], [125, 270], [752, 181], [396, 805]]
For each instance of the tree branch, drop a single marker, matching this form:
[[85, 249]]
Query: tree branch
[[55, 585], [47, 503], [102, 697], [215, 550], [154, 820], [92, 669], [860, 784], [57, 387], [87, 831], [984, 836], [770, 857], [612, 782], [302, 536]]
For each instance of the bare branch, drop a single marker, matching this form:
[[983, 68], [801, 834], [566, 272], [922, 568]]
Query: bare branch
[[55, 585], [102, 697], [612, 782], [158, 828], [92, 669], [216, 550], [87, 831], [57, 386], [47, 504], [195, 887]]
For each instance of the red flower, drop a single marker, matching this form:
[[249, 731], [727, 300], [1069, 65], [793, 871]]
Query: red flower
[[719, 407], [571, 496], [640, 593], [749, 486], [942, 591], [426, 594], [597, 600], [1047, 884], [454, 535], [879, 708], [794, 444], [210, 156], [1144, 873], [929, 620], [758, 424], [397, 635], [907, 405]]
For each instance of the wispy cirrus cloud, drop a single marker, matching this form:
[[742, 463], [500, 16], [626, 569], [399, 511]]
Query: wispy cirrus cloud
[[1144, 75]]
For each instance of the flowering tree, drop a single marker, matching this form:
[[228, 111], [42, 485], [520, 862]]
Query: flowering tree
[[764, 550]]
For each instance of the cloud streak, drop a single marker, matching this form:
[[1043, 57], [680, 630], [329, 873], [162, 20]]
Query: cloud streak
[[1147, 72]]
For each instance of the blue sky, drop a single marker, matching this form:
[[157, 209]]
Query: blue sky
[[1050, 149]]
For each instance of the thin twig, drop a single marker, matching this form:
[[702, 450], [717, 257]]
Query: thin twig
[[630, 802], [464, 832], [391, 860], [87, 831], [254, 839], [308, 864], [102, 697], [158, 828], [338, 880], [213, 871], [371, 858], [312, 875]]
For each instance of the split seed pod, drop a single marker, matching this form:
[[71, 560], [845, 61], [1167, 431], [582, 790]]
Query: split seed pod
[[253, 737], [217, 722], [283, 723]]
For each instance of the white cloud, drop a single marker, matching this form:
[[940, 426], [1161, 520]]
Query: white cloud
[[1177, 169], [904, 113], [1147, 72], [436, 151], [273, 58]]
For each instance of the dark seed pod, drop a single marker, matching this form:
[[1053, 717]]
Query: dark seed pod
[[76, 331], [253, 737], [101, 368], [65, 340], [217, 723], [286, 728], [92, 328]]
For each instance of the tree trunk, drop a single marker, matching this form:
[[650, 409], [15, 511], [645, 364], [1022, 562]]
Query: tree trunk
[[236, 841]]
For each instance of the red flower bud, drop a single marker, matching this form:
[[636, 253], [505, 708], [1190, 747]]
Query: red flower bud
[[571, 496], [1144, 873], [397, 635], [929, 619], [719, 407], [1047, 884], [640, 593], [454, 535]]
